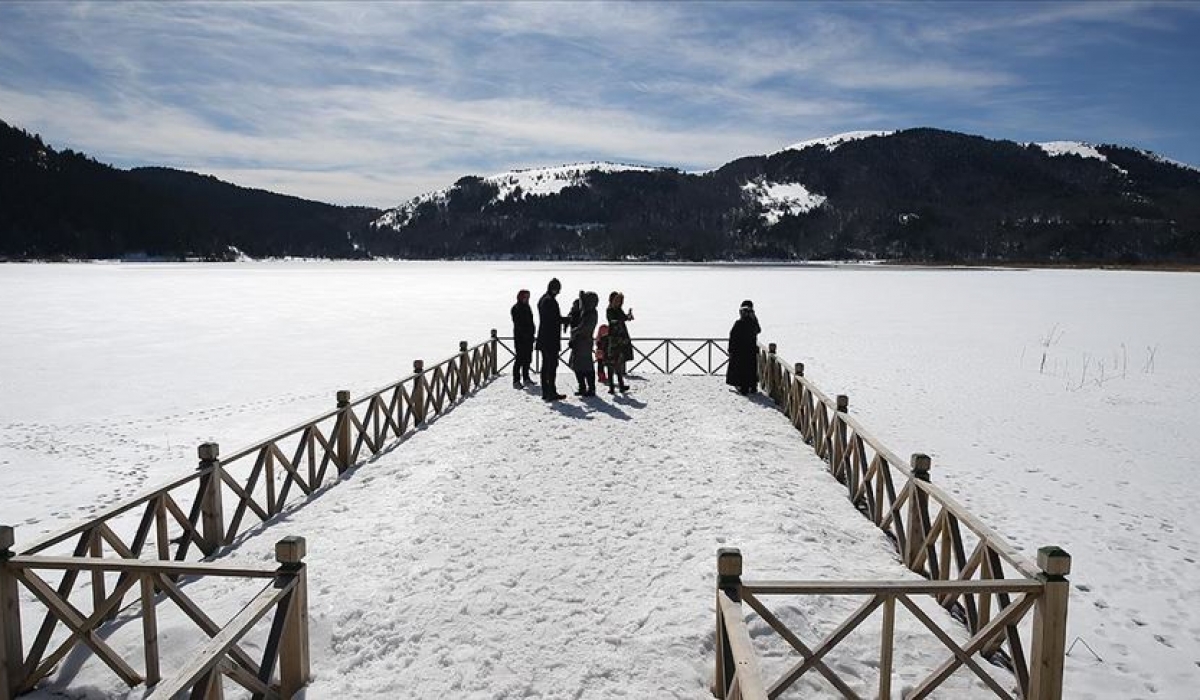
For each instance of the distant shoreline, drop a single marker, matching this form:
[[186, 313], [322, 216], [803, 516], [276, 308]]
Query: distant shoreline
[[881, 264]]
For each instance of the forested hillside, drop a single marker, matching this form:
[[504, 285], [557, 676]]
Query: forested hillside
[[63, 204]]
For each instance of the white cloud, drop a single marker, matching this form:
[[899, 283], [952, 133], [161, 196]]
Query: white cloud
[[374, 103]]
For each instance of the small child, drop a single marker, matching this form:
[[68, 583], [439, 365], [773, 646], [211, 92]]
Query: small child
[[601, 344]]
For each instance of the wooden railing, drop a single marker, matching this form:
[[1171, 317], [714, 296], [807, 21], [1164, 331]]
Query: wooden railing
[[286, 644], [661, 355], [201, 513], [992, 590]]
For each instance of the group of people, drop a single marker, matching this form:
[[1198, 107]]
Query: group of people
[[608, 346]]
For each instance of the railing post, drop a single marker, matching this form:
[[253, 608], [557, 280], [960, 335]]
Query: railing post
[[494, 361], [418, 393], [12, 653], [843, 471], [729, 582], [464, 369], [771, 372], [1050, 625], [344, 427], [294, 668], [918, 503], [212, 513]]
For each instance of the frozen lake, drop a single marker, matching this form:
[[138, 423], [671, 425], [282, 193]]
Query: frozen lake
[[1058, 405]]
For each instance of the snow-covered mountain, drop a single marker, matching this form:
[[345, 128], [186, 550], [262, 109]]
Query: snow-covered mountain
[[513, 184], [910, 194]]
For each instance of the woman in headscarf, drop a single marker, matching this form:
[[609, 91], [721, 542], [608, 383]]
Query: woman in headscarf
[[620, 347], [742, 371], [581, 345], [523, 334]]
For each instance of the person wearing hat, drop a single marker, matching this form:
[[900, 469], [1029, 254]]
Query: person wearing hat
[[742, 371], [550, 324], [523, 334]]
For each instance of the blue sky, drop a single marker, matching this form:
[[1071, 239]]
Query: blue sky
[[373, 103]]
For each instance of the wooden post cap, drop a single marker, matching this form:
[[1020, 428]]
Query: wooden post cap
[[920, 464], [1054, 561], [843, 403], [290, 550], [495, 334], [729, 561], [343, 398], [7, 538], [418, 365], [799, 369], [771, 348], [462, 346], [209, 452]]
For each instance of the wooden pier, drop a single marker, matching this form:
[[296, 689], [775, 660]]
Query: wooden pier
[[1014, 609]]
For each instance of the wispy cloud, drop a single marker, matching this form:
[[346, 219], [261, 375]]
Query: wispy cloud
[[375, 102]]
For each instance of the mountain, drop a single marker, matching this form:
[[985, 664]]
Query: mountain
[[63, 204], [914, 195], [917, 194]]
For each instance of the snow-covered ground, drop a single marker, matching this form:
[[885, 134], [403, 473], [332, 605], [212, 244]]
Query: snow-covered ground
[[514, 549], [1058, 405]]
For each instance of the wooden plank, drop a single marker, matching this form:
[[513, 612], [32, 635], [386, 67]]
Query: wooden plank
[[844, 629], [963, 655], [82, 629], [49, 621], [150, 630], [791, 638], [738, 638], [905, 587], [203, 621], [886, 647], [137, 566], [225, 639], [189, 529], [246, 500]]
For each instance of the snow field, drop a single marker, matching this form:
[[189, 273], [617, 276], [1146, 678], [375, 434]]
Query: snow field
[[112, 374]]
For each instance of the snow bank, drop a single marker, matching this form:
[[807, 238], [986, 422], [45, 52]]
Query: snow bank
[[1076, 148], [832, 142], [779, 199]]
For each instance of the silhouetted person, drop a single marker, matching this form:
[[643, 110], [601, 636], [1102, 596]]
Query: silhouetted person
[[620, 346], [550, 323], [523, 335], [742, 371], [581, 345]]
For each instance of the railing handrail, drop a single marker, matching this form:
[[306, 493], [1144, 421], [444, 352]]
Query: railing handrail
[[106, 514], [964, 516], [110, 512], [139, 566], [904, 586]]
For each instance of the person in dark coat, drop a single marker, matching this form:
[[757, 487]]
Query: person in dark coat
[[550, 324], [581, 345], [620, 346], [523, 334], [742, 371]]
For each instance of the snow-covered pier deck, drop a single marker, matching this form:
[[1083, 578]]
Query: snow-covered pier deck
[[517, 549]]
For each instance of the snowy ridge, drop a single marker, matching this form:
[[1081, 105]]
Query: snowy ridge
[[514, 184], [539, 182], [1169, 161], [832, 142], [1076, 148], [779, 199]]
